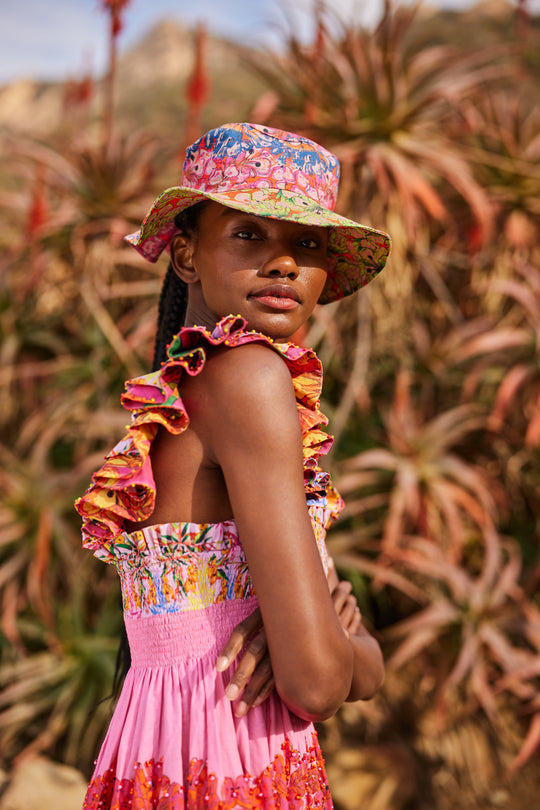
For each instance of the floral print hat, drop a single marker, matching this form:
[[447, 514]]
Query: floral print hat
[[270, 173]]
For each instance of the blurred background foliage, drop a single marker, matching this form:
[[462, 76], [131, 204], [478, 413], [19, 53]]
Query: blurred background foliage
[[432, 384]]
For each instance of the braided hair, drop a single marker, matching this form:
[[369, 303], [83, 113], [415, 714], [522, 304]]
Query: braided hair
[[174, 292], [173, 300]]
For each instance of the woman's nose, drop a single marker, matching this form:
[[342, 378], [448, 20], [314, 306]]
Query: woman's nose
[[281, 265]]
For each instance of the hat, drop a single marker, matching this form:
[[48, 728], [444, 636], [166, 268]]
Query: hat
[[270, 173]]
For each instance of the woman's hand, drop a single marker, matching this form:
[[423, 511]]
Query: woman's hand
[[253, 679], [344, 601], [368, 672]]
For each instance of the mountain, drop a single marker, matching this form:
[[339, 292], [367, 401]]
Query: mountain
[[152, 75], [150, 85]]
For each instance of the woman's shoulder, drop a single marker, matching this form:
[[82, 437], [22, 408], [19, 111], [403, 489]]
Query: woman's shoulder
[[246, 391], [247, 368]]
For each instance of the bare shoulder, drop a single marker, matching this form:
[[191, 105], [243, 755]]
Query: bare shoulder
[[244, 394], [252, 360], [249, 374]]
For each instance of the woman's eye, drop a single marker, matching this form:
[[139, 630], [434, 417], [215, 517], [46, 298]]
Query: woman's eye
[[246, 235], [312, 244]]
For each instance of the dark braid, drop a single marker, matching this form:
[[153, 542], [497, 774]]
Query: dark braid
[[173, 301], [171, 314], [173, 298]]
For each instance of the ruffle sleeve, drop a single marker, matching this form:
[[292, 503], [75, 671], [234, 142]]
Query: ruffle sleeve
[[124, 487]]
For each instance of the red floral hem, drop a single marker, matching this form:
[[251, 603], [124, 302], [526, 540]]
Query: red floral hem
[[293, 780]]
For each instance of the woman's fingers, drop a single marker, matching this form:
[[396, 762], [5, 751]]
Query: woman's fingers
[[347, 607], [340, 594], [346, 615], [238, 639], [252, 676], [257, 689], [356, 622]]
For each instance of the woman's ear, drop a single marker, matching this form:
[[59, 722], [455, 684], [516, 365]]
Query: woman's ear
[[181, 250]]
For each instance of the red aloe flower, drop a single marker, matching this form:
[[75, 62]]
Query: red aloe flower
[[78, 93], [198, 86], [115, 9], [38, 213]]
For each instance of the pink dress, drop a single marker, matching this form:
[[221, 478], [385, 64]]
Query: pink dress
[[174, 742]]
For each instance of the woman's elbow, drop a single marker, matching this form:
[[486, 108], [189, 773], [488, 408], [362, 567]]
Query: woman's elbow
[[314, 703], [318, 694]]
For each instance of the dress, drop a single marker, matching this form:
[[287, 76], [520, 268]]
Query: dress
[[174, 742]]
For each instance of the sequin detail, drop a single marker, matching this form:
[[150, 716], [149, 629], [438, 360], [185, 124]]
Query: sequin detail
[[293, 780]]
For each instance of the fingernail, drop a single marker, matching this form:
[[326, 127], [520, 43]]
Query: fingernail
[[241, 709], [222, 663], [232, 691]]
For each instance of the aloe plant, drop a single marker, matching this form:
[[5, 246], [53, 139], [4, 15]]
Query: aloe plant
[[416, 481], [504, 151], [508, 351], [492, 647], [386, 110]]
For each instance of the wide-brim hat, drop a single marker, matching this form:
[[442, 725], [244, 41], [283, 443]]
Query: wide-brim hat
[[270, 173]]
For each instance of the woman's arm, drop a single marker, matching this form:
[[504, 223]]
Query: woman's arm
[[248, 421], [253, 679]]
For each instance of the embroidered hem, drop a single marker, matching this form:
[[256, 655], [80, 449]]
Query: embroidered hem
[[292, 780]]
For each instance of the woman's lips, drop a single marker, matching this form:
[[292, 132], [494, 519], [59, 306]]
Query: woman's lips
[[277, 296]]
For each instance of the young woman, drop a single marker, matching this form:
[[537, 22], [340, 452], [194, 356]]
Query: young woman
[[214, 508]]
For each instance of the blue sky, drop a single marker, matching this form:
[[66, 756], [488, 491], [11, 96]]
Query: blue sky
[[57, 39]]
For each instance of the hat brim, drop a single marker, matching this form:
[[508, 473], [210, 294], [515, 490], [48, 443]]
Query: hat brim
[[356, 253]]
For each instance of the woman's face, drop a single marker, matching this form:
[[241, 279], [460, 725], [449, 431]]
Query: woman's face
[[270, 271]]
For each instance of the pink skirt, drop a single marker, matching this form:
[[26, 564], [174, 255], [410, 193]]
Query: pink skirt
[[174, 742]]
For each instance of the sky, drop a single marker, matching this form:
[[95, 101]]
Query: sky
[[59, 39]]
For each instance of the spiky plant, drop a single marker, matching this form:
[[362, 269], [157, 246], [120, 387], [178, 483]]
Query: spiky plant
[[391, 111], [504, 151], [385, 109], [480, 627], [54, 695], [507, 355], [415, 481]]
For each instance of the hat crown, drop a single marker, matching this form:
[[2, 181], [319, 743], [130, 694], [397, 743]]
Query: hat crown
[[251, 157]]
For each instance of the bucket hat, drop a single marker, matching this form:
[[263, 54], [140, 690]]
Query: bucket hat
[[270, 173]]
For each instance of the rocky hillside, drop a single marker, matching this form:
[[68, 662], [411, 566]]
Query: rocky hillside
[[152, 75], [151, 79]]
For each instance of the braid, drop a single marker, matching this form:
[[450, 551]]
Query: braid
[[171, 314], [173, 298]]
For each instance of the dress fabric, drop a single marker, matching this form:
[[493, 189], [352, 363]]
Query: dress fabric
[[174, 742]]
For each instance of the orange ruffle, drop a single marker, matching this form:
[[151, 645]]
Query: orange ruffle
[[124, 487]]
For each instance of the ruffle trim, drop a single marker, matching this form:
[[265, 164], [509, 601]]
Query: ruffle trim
[[124, 487]]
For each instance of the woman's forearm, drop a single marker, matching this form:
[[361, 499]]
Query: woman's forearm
[[368, 666]]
